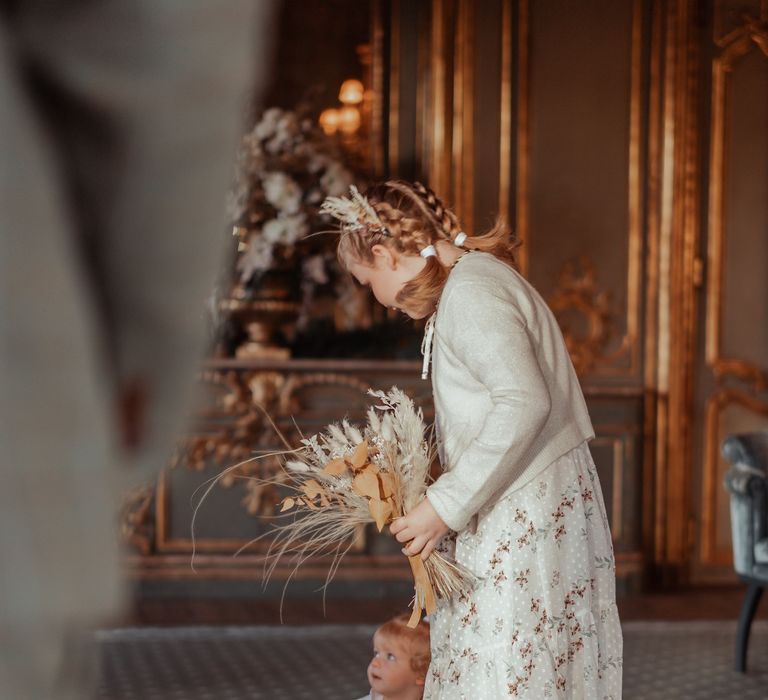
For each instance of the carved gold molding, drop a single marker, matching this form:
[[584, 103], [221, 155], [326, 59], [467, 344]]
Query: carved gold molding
[[745, 372], [577, 294], [252, 395], [248, 398], [725, 10]]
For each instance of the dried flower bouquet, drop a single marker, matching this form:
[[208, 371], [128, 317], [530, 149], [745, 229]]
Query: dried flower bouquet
[[344, 477]]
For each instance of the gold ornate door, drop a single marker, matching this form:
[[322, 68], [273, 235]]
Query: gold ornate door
[[731, 390]]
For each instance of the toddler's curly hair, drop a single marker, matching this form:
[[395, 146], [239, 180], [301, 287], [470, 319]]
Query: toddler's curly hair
[[414, 640]]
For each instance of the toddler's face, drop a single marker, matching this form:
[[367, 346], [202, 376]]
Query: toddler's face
[[390, 672]]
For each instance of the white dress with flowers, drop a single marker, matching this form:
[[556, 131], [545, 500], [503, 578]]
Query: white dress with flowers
[[541, 621]]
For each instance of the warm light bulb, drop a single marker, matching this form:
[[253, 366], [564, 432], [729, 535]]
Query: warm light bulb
[[349, 119], [329, 120], [351, 92]]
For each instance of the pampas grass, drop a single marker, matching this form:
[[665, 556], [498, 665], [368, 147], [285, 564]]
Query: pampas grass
[[345, 477]]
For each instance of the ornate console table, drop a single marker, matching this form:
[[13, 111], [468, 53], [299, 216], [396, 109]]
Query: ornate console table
[[301, 396]]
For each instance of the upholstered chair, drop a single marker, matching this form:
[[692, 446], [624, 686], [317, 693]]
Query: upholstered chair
[[747, 482]]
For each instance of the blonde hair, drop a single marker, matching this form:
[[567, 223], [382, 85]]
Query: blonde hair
[[415, 640], [415, 217]]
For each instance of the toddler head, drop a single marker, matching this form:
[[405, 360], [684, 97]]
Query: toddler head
[[400, 659]]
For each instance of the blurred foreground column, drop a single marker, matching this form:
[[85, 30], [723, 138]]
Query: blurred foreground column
[[118, 124]]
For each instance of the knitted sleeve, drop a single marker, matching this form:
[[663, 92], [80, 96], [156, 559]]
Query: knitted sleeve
[[488, 334]]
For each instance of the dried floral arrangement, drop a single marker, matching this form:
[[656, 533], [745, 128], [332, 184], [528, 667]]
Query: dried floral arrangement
[[286, 167], [345, 477]]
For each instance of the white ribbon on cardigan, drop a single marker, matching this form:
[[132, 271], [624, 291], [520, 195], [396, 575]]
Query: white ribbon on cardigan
[[426, 345]]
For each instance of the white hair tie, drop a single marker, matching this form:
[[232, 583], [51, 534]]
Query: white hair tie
[[460, 238], [428, 252]]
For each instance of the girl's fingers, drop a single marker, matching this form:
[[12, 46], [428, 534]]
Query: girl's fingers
[[404, 535], [428, 549], [416, 546], [396, 525]]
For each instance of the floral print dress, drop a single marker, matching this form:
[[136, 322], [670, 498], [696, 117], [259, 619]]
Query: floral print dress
[[541, 620]]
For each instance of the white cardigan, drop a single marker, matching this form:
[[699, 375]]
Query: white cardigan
[[507, 399]]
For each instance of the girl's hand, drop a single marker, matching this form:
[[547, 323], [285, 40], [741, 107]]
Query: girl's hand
[[422, 528]]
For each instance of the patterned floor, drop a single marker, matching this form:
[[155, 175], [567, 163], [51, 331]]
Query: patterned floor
[[663, 661]]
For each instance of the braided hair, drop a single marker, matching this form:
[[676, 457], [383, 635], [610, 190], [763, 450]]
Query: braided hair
[[414, 217]]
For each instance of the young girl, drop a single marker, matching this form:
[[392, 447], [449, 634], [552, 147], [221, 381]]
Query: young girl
[[519, 497]]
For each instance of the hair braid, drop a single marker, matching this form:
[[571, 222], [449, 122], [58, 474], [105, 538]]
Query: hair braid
[[446, 221], [414, 217], [407, 232]]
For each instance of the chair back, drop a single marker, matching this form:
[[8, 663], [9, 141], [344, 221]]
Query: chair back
[[747, 483]]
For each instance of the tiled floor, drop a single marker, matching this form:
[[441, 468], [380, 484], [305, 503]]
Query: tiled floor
[[692, 661], [230, 663], [663, 661]]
